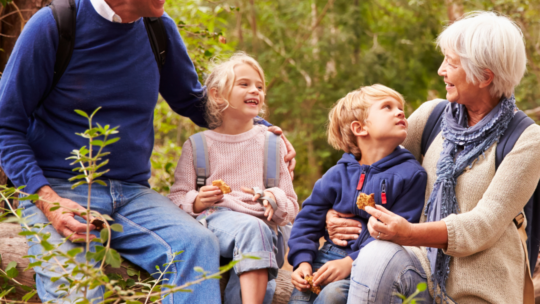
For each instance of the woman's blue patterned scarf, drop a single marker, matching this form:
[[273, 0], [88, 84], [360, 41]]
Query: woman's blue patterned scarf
[[461, 147]]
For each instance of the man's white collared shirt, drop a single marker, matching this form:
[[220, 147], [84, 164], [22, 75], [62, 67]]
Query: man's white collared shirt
[[105, 11]]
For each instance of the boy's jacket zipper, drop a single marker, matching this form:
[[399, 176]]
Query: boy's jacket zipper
[[383, 192]]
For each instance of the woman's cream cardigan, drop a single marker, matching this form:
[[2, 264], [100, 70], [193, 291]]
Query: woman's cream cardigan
[[488, 261]]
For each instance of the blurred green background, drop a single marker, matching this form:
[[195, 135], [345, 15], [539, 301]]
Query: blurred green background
[[315, 51]]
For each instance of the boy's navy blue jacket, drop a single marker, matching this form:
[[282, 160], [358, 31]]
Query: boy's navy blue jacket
[[398, 175]]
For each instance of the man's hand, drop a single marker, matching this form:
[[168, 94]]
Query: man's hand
[[291, 153], [208, 196], [63, 219], [297, 277], [341, 229], [333, 271]]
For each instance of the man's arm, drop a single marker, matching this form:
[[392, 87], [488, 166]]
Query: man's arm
[[26, 80]]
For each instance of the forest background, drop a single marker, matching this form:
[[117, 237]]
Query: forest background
[[313, 53]]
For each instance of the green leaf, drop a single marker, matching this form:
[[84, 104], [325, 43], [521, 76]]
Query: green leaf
[[29, 295], [107, 217], [113, 258], [54, 208], [11, 270], [198, 269], [32, 265], [27, 233], [46, 245], [95, 111], [54, 279], [104, 235], [31, 197], [73, 252], [82, 113], [132, 272], [421, 286], [108, 294], [96, 142], [112, 141], [77, 184], [117, 228], [100, 182]]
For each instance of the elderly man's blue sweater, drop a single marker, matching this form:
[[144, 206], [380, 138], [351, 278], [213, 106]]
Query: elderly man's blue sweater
[[398, 175], [113, 67]]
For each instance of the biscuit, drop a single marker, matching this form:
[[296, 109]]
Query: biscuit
[[222, 186], [365, 200], [314, 289], [99, 224]]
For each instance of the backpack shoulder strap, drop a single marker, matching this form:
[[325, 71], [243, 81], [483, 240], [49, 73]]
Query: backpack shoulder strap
[[433, 126], [271, 160], [64, 13], [158, 39], [506, 143], [200, 158], [530, 235]]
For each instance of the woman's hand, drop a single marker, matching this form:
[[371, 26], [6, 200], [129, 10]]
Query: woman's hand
[[297, 277], [341, 229], [269, 211], [291, 153], [208, 196], [388, 226], [333, 271]]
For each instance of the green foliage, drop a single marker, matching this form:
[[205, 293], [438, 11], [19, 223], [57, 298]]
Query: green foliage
[[412, 298], [316, 51]]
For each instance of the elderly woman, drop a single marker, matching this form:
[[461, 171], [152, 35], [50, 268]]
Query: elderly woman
[[466, 247]]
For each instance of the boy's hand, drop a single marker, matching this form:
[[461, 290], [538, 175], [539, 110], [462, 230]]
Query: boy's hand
[[269, 211], [297, 277], [208, 196], [333, 271]]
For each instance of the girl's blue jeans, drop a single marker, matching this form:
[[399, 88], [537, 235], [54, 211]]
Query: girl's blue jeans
[[335, 292], [154, 228], [382, 270], [243, 234]]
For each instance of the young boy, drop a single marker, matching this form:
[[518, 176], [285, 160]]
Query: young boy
[[368, 124]]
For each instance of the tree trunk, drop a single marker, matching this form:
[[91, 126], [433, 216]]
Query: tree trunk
[[11, 26]]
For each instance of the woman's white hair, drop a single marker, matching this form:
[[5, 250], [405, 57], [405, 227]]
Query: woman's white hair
[[485, 40]]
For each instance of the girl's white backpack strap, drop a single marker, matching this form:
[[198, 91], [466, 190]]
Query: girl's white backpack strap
[[200, 158]]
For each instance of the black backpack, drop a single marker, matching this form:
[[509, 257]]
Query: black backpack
[[517, 125], [64, 12]]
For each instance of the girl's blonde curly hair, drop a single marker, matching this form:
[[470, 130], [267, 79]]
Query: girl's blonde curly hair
[[222, 80], [355, 107]]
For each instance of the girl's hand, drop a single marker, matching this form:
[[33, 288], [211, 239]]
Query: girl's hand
[[269, 211], [388, 226], [333, 271], [208, 196], [297, 277]]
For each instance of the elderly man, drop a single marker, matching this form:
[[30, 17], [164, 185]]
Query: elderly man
[[112, 66]]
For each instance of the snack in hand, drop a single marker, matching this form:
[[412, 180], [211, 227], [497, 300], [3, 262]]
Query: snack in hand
[[98, 224], [222, 186], [314, 289], [364, 200]]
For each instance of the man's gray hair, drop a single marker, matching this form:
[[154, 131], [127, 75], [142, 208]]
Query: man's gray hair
[[485, 40]]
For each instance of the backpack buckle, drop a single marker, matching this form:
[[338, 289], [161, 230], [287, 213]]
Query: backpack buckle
[[519, 220]]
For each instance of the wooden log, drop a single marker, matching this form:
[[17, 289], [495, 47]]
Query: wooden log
[[13, 247]]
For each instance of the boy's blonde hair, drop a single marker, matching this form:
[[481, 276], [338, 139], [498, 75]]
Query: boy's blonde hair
[[222, 79], [355, 107]]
